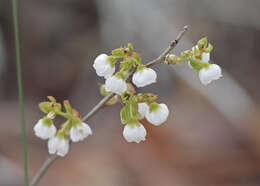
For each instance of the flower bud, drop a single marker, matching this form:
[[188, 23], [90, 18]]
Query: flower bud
[[58, 145], [144, 77], [157, 113], [213, 72], [136, 133], [80, 132], [103, 66]]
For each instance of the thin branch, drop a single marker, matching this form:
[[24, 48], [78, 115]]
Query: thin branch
[[20, 89], [102, 102], [43, 169]]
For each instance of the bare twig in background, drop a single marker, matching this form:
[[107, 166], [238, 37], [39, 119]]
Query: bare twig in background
[[161, 58]]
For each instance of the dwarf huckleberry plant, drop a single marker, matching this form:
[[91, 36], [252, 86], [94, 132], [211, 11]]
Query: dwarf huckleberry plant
[[137, 107]]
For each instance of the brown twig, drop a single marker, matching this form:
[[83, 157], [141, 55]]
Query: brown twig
[[161, 58]]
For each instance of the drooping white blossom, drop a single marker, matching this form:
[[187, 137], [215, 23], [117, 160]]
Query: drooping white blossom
[[136, 133], [144, 77], [157, 115], [103, 66], [43, 130], [115, 84], [142, 109], [80, 132], [58, 145], [207, 75]]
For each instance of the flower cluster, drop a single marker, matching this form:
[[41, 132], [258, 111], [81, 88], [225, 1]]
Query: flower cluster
[[73, 128], [136, 106], [198, 58]]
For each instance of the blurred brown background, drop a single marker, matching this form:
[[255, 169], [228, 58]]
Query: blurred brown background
[[212, 136]]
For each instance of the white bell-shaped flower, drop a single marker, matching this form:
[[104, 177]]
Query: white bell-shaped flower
[[58, 145], [142, 109], [213, 72], [44, 130], [157, 113], [115, 84], [136, 133], [80, 132], [144, 77], [103, 67]]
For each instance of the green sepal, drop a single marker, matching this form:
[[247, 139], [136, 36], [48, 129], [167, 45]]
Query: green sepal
[[203, 42], [134, 122], [153, 107], [45, 107], [197, 66], [103, 91], [75, 121], [140, 68], [209, 48], [118, 52], [47, 121]]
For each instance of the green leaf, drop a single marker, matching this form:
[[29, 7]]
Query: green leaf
[[124, 114], [119, 52], [126, 65], [136, 57], [45, 107], [57, 107], [129, 113]]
